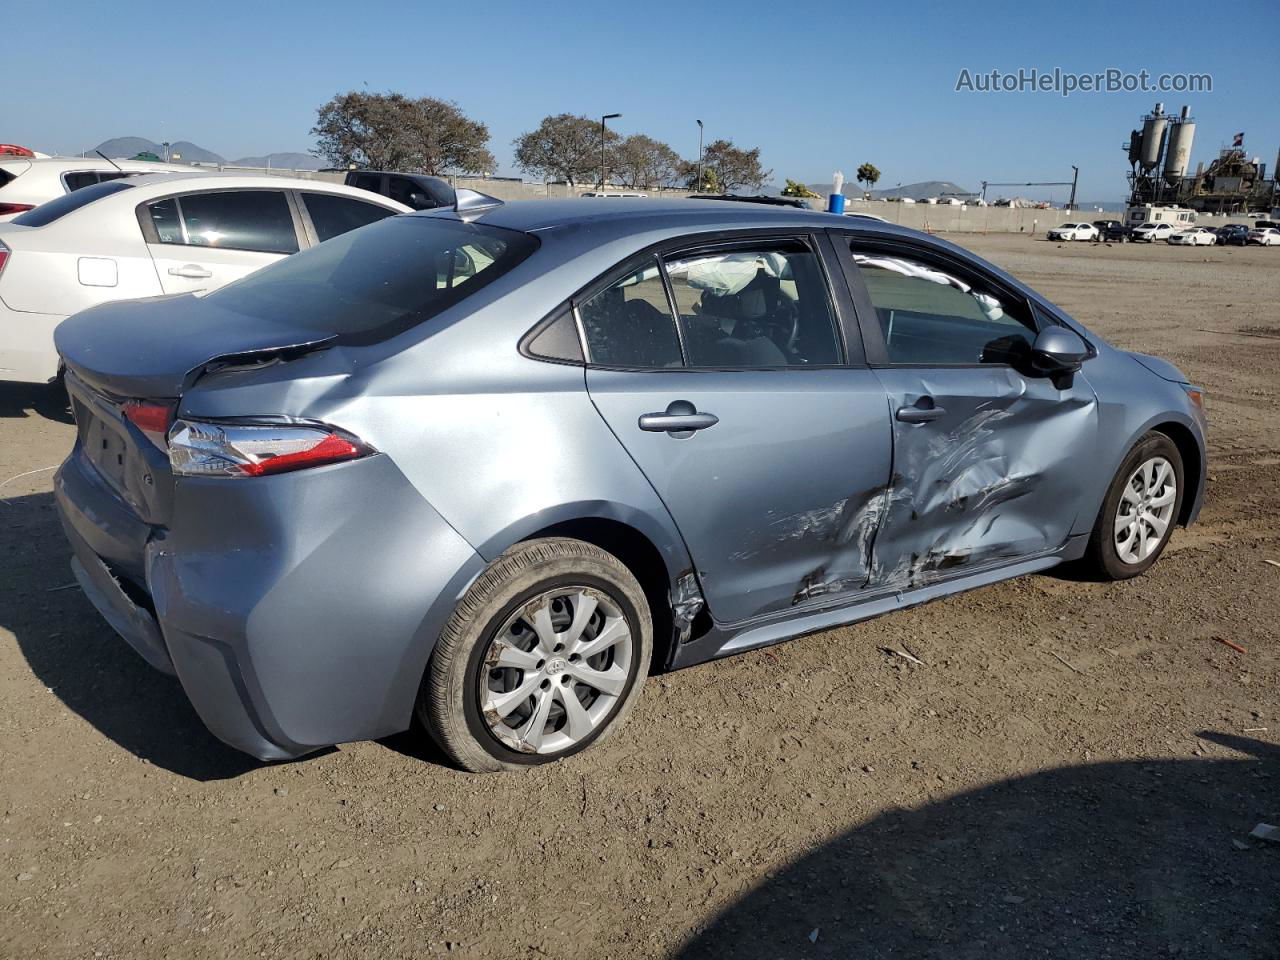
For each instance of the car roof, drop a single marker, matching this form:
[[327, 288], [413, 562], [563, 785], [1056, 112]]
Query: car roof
[[690, 215], [61, 164], [167, 182]]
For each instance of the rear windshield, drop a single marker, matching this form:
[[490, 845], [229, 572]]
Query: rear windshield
[[379, 280], [46, 213]]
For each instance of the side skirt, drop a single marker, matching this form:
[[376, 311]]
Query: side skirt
[[726, 641]]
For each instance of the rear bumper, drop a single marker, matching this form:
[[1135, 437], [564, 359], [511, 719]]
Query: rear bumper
[[27, 354], [297, 611]]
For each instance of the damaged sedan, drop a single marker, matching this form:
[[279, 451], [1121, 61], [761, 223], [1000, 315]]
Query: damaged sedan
[[490, 465]]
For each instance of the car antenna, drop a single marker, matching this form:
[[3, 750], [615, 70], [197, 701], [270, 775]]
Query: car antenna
[[108, 159], [470, 204]]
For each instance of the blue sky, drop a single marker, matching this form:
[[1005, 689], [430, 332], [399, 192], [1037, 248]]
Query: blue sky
[[817, 86]]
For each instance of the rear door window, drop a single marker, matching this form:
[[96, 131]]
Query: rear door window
[[758, 306], [629, 324], [333, 215], [256, 220], [368, 181], [408, 191]]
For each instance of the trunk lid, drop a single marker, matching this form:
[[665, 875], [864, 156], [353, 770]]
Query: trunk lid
[[156, 348]]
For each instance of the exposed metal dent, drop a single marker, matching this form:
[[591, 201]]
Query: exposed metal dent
[[955, 497], [686, 603]]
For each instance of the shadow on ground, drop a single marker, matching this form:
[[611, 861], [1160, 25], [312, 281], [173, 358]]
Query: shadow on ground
[[35, 399], [1135, 859], [73, 652]]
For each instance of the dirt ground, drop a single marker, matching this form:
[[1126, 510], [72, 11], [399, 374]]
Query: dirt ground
[[1072, 772]]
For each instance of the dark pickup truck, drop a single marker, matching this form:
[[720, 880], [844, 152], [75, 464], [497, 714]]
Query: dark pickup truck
[[1113, 231], [416, 190]]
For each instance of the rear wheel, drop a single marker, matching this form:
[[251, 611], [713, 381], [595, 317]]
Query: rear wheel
[[1139, 512], [544, 656]]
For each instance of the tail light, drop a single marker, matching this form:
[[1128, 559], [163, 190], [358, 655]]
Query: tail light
[[152, 418], [200, 449], [7, 209], [4, 256]]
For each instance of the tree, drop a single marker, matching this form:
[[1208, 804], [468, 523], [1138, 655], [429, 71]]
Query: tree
[[564, 147], [793, 189], [640, 162], [729, 167], [868, 174], [389, 131]]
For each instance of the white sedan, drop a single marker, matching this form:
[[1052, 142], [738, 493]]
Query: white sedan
[[1074, 231], [27, 182], [1195, 237], [152, 235], [1150, 232], [1265, 236]]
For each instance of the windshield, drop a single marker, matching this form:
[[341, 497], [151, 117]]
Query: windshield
[[379, 280], [46, 213]]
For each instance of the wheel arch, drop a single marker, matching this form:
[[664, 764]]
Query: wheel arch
[[641, 555], [1192, 466]]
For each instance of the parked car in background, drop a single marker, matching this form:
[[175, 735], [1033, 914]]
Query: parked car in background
[[606, 194], [1151, 231], [151, 235], [586, 441], [1073, 231], [1234, 234], [1116, 231], [1194, 237], [27, 182], [1105, 225], [415, 190], [1264, 236]]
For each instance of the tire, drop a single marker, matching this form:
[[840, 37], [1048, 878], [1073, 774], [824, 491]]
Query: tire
[[536, 592], [1111, 554]]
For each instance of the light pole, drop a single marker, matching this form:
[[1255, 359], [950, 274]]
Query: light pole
[[1075, 177], [698, 185], [607, 116]]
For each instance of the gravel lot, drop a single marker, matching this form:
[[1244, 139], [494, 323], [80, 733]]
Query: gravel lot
[[817, 799]]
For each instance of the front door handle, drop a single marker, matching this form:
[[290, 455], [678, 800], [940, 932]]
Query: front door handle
[[190, 271], [920, 414], [680, 419]]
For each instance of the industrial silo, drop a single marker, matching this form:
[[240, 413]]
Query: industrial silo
[[1153, 129], [1177, 157]]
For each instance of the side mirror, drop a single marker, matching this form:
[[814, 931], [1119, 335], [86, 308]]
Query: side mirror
[[1059, 350]]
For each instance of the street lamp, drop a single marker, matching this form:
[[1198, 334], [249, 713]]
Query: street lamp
[[607, 116], [698, 186]]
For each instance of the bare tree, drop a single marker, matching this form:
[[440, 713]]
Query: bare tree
[[389, 131], [563, 147], [731, 168], [641, 162]]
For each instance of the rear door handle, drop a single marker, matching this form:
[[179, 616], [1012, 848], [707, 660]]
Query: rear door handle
[[920, 414], [680, 418], [190, 271]]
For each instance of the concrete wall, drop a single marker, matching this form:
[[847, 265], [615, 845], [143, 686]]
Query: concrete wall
[[919, 216]]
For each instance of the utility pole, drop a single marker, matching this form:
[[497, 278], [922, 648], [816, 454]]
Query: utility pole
[[607, 116], [698, 187], [1075, 176]]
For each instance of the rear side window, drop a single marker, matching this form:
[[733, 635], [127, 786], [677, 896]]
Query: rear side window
[[80, 179], [629, 323], [333, 215], [408, 191], [255, 220], [370, 284], [929, 315], [367, 181], [47, 213]]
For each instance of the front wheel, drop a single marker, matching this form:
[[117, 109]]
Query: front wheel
[[1139, 512], [544, 656]]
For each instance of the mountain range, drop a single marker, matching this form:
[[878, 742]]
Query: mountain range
[[124, 147]]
